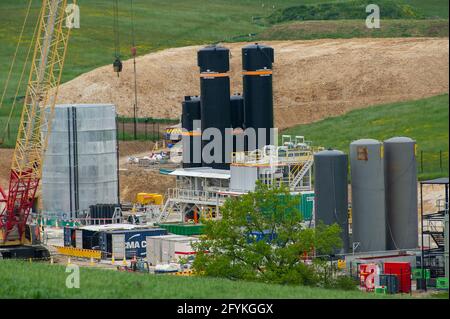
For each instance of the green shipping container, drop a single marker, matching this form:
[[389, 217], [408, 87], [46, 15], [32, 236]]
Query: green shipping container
[[305, 205], [183, 229]]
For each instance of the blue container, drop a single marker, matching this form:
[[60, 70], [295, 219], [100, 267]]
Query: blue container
[[256, 236], [135, 240]]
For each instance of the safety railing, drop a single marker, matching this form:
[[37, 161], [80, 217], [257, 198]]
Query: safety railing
[[279, 155], [196, 195]]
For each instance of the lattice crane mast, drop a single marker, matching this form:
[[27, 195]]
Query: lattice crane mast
[[34, 129]]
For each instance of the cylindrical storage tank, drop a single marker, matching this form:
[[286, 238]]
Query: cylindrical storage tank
[[215, 105], [80, 167], [331, 193], [191, 135], [368, 195], [401, 193], [258, 96], [237, 122], [237, 111]]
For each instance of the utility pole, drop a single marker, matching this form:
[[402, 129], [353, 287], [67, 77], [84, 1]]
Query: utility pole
[[133, 53]]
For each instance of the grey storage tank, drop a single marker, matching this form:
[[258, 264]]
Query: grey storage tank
[[401, 193], [331, 193], [368, 195], [80, 166]]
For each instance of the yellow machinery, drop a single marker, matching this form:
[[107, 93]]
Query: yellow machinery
[[149, 199]]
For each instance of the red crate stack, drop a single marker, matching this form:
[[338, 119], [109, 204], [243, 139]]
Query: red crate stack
[[403, 272]]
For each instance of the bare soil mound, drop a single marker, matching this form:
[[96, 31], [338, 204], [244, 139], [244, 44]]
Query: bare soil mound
[[312, 79], [135, 181]]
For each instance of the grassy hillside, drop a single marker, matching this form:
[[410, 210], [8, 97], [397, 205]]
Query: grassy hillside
[[353, 9], [356, 9], [424, 120], [186, 22], [334, 29], [158, 26], [37, 280], [431, 8]]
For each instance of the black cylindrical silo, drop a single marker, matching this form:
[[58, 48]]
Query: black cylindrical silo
[[237, 122], [237, 111], [331, 192], [214, 64], [258, 96], [190, 123]]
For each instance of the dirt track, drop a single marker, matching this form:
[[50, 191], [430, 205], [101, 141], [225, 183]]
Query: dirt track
[[312, 79]]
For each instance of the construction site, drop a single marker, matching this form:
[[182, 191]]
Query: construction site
[[72, 191]]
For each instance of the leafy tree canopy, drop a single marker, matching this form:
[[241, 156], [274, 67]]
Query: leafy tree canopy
[[263, 237]]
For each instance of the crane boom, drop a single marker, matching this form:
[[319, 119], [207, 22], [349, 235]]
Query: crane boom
[[40, 99]]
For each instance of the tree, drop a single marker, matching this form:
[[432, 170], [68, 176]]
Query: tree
[[262, 237]]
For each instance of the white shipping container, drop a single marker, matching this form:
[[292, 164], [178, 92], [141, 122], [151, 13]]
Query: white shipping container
[[184, 249], [154, 247], [172, 245]]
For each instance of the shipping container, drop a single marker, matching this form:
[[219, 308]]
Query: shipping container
[[90, 239], [172, 247], [133, 242], [403, 272], [183, 229], [154, 251]]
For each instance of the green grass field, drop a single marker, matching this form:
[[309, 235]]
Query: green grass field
[[37, 280], [424, 120], [157, 24], [183, 22], [345, 29]]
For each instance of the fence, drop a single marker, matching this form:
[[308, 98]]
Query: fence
[[142, 128], [433, 163]]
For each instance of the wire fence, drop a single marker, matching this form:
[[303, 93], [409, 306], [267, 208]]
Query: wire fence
[[142, 129], [432, 162]]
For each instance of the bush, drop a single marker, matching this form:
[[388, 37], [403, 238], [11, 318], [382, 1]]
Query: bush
[[344, 282], [355, 9]]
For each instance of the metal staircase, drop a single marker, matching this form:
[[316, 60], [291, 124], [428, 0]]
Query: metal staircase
[[170, 207], [438, 238], [434, 227], [301, 174]]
